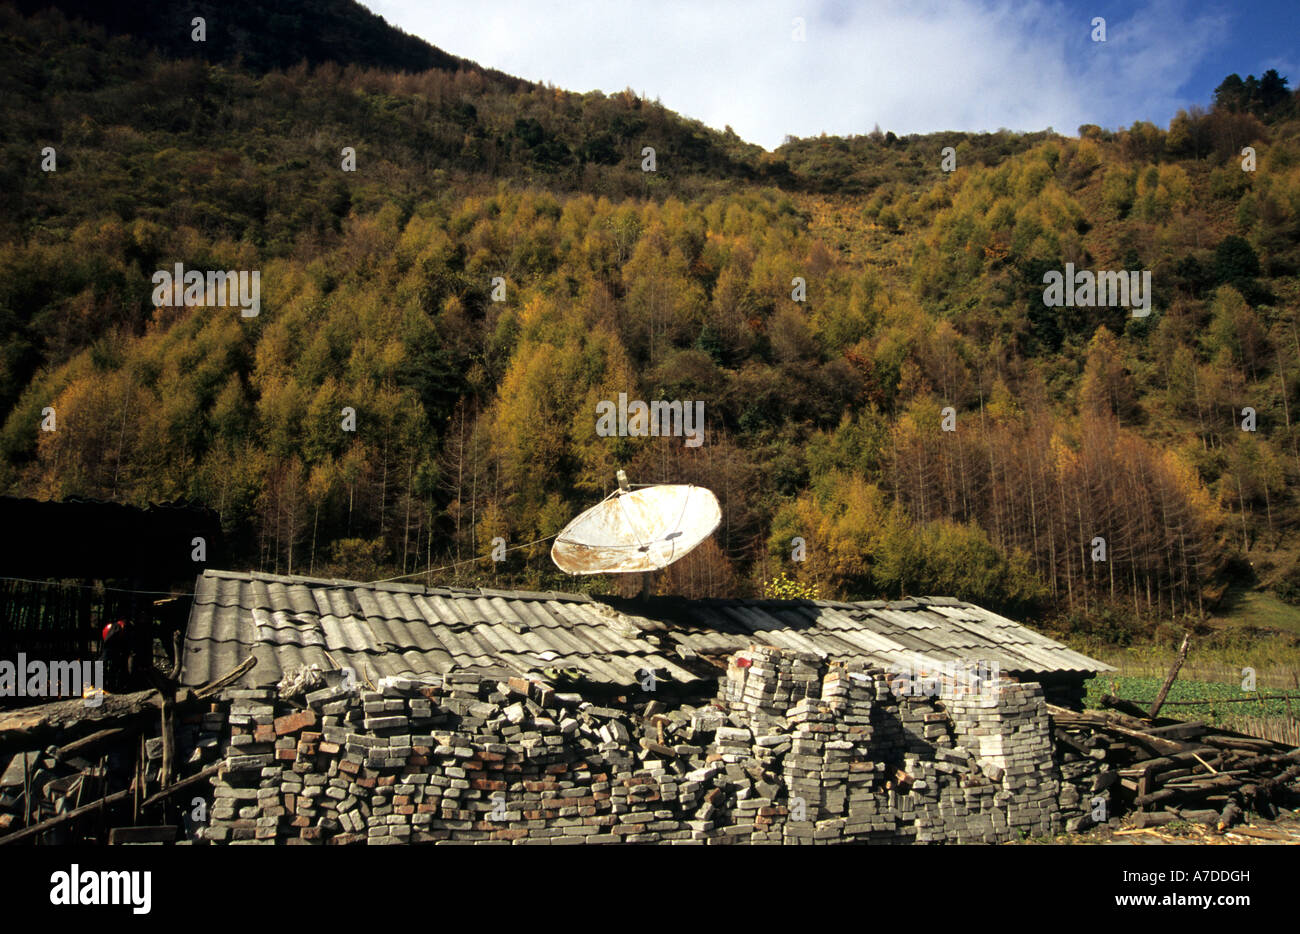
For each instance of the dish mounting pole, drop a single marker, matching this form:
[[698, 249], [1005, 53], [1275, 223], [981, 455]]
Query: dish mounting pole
[[624, 487]]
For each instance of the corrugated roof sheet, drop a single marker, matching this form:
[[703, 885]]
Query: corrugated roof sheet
[[405, 629]]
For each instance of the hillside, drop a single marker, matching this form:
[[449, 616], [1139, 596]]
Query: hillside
[[474, 416], [267, 35]]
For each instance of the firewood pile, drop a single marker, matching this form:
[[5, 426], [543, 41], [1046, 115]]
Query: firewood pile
[[1166, 770], [105, 768]]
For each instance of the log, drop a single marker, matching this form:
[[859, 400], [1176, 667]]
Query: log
[[1065, 738], [1155, 797], [1124, 706], [1239, 742], [1155, 743], [1230, 815], [1173, 674], [1176, 760], [1104, 780], [43, 724], [1193, 730], [1155, 818], [1188, 791]]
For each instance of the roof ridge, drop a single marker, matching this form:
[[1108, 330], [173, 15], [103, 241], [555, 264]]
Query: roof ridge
[[441, 590]]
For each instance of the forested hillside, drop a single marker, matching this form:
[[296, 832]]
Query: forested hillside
[[475, 417]]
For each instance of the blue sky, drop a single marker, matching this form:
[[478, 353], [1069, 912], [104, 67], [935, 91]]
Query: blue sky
[[911, 67]]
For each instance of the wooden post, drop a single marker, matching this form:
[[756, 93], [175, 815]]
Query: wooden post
[[27, 791], [1173, 673]]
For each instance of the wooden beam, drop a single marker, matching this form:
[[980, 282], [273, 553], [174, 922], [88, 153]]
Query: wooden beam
[[215, 687], [38, 726], [94, 739], [184, 783], [119, 835], [1173, 674], [1124, 706]]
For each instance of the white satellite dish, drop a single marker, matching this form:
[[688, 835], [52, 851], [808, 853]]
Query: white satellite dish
[[637, 531]]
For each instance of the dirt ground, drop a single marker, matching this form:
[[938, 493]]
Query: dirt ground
[[1285, 831]]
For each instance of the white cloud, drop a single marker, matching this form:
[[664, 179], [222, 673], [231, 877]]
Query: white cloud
[[910, 67]]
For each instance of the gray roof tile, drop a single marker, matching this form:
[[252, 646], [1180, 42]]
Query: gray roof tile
[[390, 629]]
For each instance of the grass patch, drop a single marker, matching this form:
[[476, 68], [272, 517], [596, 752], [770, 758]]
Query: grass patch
[[1258, 609]]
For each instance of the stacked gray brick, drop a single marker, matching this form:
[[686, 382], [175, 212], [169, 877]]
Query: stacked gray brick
[[1007, 729], [791, 752]]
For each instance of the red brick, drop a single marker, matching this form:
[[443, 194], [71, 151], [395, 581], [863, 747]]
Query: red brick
[[294, 722]]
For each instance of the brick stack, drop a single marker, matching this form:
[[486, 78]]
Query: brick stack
[[479, 758], [763, 682], [852, 760], [245, 803], [1007, 728]]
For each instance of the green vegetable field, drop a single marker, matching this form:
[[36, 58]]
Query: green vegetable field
[[1275, 714]]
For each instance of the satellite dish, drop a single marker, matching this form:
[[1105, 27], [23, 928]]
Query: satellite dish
[[636, 531]]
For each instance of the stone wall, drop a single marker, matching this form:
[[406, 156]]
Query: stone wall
[[792, 751]]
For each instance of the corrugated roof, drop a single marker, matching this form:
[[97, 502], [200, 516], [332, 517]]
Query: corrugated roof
[[406, 629]]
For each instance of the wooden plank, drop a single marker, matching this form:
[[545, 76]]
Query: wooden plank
[[193, 780], [119, 835]]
